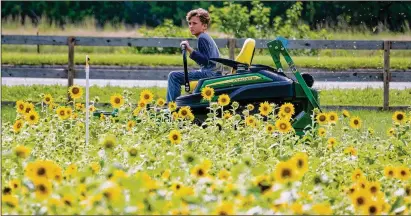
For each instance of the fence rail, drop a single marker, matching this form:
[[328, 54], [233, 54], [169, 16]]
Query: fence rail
[[231, 44]]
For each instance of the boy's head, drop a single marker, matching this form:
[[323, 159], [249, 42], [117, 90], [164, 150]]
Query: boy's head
[[198, 21]]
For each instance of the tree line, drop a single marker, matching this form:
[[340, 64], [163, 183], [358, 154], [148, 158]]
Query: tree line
[[395, 16]]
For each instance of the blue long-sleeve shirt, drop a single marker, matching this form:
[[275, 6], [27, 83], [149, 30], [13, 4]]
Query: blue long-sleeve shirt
[[207, 48]]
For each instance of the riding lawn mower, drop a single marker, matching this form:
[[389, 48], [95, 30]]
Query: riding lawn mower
[[254, 84]]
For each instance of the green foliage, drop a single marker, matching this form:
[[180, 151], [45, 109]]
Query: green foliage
[[232, 19], [166, 29]]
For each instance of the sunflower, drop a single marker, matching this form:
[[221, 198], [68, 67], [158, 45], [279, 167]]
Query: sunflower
[[17, 126], [160, 102], [301, 162], [265, 109], [283, 126], [322, 209], [288, 108], [176, 186], [80, 106], [47, 99], [389, 171], [199, 171], [250, 107], [109, 141], [402, 173], [69, 112], [175, 137], [225, 208], [321, 132], [20, 106], [207, 93], [92, 108], [22, 151], [184, 112], [28, 107], [112, 193], [43, 188], [136, 111], [285, 172], [331, 142], [391, 132], [297, 209], [333, 117], [357, 175], [95, 167], [32, 117], [251, 121], [284, 116], [75, 91], [116, 100], [227, 115], [174, 115], [172, 106], [61, 112], [68, 200], [360, 198], [224, 174], [374, 187], [399, 117], [355, 122], [166, 174], [223, 100], [15, 184], [10, 200], [130, 125], [269, 128], [345, 113], [350, 150], [40, 170], [322, 118], [373, 207], [146, 96]]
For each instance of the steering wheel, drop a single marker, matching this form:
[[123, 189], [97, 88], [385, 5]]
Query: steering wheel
[[186, 81]]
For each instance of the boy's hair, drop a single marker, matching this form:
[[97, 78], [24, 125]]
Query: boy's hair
[[200, 13]]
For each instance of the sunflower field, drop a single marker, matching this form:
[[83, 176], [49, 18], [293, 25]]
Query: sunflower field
[[153, 159]]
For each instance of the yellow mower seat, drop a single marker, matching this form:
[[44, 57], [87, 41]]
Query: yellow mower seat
[[193, 85], [246, 54]]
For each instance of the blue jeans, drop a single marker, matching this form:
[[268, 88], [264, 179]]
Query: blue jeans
[[176, 80]]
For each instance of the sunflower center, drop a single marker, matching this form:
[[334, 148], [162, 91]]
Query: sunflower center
[[322, 118], [360, 200], [67, 202], [41, 171], [21, 106], [178, 187], [32, 117], [62, 113], [28, 110], [200, 172], [75, 90], [391, 173], [223, 100], [7, 190], [356, 122], [146, 96], [184, 112], [47, 99], [19, 125], [408, 191], [372, 209], [286, 173], [300, 163], [332, 118], [287, 110], [352, 190], [222, 213], [42, 188], [265, 108], [400, 117], [283, 126], [175, 137], [107, 195], [403, 173], [117, 100], [109, 144], [373, 189], [208, 93]]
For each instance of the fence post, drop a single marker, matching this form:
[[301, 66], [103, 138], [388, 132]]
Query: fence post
[[38, 46], [231, 47], [70, 70], [386, 74]]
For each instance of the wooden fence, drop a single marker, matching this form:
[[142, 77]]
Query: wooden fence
[[231, 44]]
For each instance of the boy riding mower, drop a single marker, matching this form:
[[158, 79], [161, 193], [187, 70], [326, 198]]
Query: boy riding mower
[[255, 84], [252, 84]]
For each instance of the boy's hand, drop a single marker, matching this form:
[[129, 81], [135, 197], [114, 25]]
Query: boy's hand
[[188, 47]]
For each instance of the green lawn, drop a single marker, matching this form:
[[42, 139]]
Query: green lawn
[[338, 62]]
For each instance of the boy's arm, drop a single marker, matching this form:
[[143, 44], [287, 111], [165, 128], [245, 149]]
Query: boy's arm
[[203, 54]]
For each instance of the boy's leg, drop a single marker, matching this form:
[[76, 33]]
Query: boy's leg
[[176, 80]]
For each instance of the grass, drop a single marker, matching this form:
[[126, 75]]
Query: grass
[[175, 60]]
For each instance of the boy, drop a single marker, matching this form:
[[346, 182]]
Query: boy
[[198, 22]]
